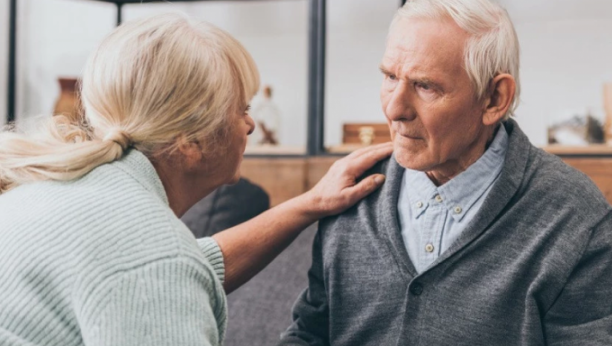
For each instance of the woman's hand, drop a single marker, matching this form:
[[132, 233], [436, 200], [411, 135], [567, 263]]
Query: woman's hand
[[249, 247], [339, 189]]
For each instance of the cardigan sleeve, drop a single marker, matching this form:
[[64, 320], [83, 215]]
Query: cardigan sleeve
[[311, 311], [582, 314], [213, 254], [170, 301]]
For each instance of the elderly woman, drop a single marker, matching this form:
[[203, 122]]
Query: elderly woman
[[92, 251]]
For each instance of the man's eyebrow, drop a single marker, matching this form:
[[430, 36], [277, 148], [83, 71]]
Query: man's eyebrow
[[423, 80], [416, 79], [384, 70]]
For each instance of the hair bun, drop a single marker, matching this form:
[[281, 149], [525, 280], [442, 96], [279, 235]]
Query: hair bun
[[119, 137]]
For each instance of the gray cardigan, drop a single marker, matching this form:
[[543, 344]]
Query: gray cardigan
[[534, 267]]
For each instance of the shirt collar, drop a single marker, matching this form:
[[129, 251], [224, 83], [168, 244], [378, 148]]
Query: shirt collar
[[460, 193], [420, 190]]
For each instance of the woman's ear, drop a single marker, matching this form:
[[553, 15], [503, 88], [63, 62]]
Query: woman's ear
[[191, 152], [499, 101]]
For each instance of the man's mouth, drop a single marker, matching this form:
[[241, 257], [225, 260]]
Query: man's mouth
[[409, 136]]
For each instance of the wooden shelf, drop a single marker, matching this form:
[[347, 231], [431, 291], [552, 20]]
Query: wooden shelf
[[284, 178], [587, 150], [275, 150], [561, 150], [344, 148]]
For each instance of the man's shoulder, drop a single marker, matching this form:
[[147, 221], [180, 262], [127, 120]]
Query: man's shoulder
[[393, 177], [549, 175], [366, 211], [545, 185]]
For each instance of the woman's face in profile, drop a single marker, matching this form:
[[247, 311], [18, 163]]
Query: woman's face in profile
[[241, 125]]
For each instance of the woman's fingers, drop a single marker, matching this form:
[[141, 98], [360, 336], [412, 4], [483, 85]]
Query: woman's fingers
[[340, 189], [367, 157], [365, 187]]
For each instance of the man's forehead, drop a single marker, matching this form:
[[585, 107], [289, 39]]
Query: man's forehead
[[425, 43]]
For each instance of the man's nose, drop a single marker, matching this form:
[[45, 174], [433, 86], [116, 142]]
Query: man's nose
[[400, 105]]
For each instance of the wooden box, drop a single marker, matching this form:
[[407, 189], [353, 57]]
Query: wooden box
[[365, 133]]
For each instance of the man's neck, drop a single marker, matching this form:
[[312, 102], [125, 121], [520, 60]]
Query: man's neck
[[442, 174]]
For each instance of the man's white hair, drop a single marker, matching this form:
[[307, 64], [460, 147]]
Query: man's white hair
[[493, 47]]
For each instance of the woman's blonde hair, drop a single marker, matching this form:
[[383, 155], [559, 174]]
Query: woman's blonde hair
[[150, 82], [493, 47]]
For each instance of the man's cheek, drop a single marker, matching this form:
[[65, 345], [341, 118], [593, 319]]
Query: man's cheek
[[391, 131]]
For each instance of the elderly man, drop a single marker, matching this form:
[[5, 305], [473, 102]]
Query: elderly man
[[477, 237]]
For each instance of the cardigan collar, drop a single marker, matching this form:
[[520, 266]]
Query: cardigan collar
[[511, 176]]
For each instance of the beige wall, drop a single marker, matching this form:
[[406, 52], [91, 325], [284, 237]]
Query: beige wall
[[55, 38], [62, 33], [566, 54]]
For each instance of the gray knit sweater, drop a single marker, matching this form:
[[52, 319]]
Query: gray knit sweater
[[104, 261], [534, 267]]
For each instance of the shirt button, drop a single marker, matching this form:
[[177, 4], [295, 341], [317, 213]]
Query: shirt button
[[438, 198], [416, 289], [429, 248], [458, 210], [419, 205]]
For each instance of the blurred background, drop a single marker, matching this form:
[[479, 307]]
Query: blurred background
[[566, 55], [320, 81]]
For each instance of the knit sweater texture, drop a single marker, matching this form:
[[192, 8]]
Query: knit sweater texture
[[103, 260]]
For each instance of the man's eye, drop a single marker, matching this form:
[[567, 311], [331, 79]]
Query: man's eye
[[423, 86], [391, 77]]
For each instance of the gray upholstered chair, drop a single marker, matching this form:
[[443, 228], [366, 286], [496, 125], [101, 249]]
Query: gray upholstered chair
[[226, 207], [261, 309]]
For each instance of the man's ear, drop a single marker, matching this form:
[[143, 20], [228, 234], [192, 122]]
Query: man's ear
[[499, 100], [191, 152]]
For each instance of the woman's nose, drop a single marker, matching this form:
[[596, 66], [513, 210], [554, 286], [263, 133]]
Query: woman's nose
[[251, 123]]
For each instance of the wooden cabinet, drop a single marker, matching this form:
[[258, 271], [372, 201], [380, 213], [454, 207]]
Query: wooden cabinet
[[598, 169], [594, 161], [284, 178]]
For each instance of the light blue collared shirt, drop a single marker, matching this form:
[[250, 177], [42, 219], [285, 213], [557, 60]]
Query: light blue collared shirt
[[432, 218]]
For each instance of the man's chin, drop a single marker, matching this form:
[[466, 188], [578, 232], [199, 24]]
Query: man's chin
[[409, 160]]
